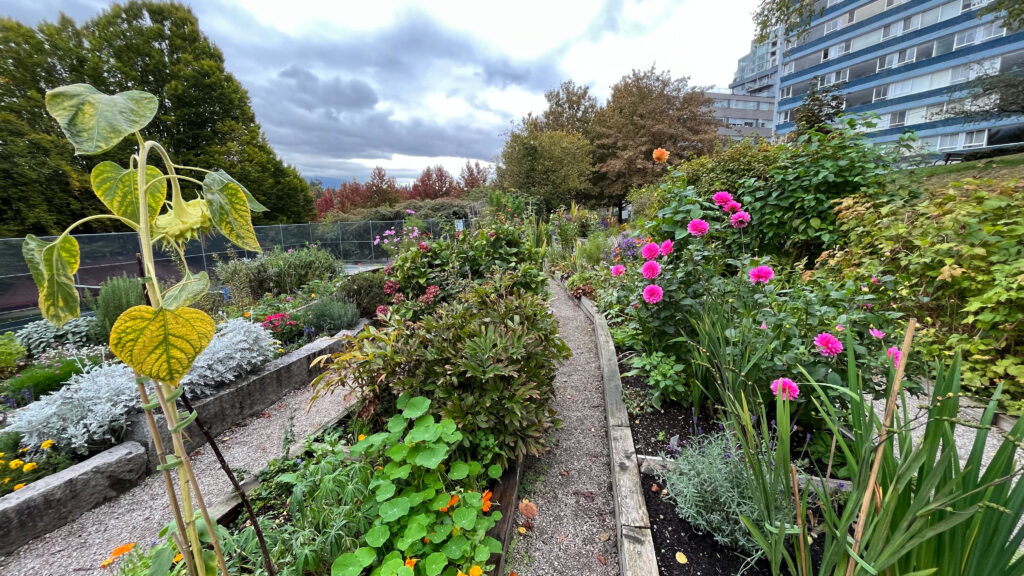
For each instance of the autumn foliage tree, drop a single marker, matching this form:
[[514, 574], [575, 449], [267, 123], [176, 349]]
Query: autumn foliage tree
[[435, 182], [473, 176], [647, 109]]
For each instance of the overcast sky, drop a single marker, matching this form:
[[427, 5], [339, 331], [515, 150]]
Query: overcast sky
[[343, 86]]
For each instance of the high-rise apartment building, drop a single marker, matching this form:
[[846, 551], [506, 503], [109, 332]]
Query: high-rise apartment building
[[757, 73], [906, 61], [743, 115]]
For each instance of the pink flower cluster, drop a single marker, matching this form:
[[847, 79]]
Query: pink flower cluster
[[390, 287], [653, 294], [618, 270], [424, 247], [650, 269], [275, 322], [894, 353], [725, 201], [650, 251], [382, 311], [698, 227], [432, 292]]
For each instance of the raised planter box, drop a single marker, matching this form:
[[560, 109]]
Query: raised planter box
[[53, 501]]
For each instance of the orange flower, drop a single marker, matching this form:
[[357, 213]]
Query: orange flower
[[106, 563], [487, 501], [246, 314], [451, 502], [660, 155], [361, 437], [122, 550], [178, 558], [18, 486], [411, 562], [476, 571]]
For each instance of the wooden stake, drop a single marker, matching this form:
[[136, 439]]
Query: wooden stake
[[801, 537], [883, 437]]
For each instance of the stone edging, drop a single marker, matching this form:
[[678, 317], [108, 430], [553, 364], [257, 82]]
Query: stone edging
[[53, 501], [633, 526]]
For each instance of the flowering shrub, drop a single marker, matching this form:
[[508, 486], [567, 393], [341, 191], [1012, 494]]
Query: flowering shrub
[[283, 327], [278, 272], [20, 467]]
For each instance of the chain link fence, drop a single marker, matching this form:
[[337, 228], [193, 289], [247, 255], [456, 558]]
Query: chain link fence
[[106, 255]]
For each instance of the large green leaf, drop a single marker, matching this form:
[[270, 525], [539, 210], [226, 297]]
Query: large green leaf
[[118, 189], [377, 536], [95, 122], [161, 343], [53, 268], [230, 209], [190, 289], [394, 509], [352, 564]]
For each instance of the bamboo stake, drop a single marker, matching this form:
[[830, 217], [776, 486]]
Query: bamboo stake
[[801, 537], [883, 437]]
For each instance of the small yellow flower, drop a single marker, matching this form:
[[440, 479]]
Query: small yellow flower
[[23, 450], [19, 486], [312, 295], [15, 464], [7, 480], [30, 467], [106, 563], [246, 314], [361, 437], [46, 445], [476, 571], [280, 350], [178, 558], [1, 454]]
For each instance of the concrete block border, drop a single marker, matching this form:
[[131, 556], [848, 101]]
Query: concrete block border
[[633, 526]]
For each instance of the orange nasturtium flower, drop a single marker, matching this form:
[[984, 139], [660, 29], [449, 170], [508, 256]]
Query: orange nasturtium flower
[[411, 562], [361, 437], [476, 571], [487, 501], [122, 550], [660, 155], [451, 502], [246, 314], [178, 558]]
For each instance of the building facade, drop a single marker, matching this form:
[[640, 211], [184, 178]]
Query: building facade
[[906, 61], [743, 115], [757, 73]]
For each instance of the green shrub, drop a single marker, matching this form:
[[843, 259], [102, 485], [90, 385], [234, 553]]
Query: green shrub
[[590, 251], [10, 352], [116, 295], [276, 272], [365, 290], [328, 315], [41, 462], [40, 379], [666, 377], [708, 484], [39, 336]]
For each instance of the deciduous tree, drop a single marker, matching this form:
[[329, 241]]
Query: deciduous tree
[[554, 166], [435, 182], [473, 176], [571, 108]]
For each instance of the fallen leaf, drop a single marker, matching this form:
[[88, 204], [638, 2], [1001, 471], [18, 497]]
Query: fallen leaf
[[521, 530], [681, 558], [528, 524], [588, 495], [528, 509], [564, 472], [601, 559], [266, 414], [562, 538], [604, 536]]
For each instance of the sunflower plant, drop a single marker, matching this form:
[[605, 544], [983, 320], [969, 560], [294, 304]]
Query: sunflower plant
[[160, 340]]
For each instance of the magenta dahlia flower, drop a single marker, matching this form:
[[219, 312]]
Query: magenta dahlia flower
[[618, 270], [740, 219], [786, 388], [761, 274], [666, 247], [697, 227], [650, 269], [721, 198], [653, 294], [732, 206], [876, 333], [650, 251], [827, 344]]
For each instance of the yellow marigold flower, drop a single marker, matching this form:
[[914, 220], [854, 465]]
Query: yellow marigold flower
[[29, 467], [476, 571], [1, 454], [461, 573], [246, 314], [19, 486], [7, 480], [2, 462], [122, 549], [15, 464], [361, 437], [106, 563], [46, 445], [23, 450]]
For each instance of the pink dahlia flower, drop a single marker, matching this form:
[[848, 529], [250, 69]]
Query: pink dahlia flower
[[666, 247], [650, 269], [761, 274], [618, 270], [653, 294], [740, 219], [721, 198], [732, 206], [895, 354], [827, 344], [876, 333], [650, 251], [786, 388], [697, 227]]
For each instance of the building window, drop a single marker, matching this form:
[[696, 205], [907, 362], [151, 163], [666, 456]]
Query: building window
[[786, 92], [720, 104], [897, 118], [785, 116], [834, 78], [965, 38], [897, 89], [972, 4], [891, 30], [764, 105], [975, 139], [880, 93], [762, 124], [837, 50], [832, 3], [897, 58], [893, 3], [911, 23], [961, 73], [833, 25], [789, 67], [949, 141]]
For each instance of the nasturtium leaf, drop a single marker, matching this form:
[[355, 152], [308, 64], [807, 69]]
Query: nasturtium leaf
[[394, 509], [385, 490], [492, 544], [191, 288], [118, 189], [396, 423], [95, 122], [53, 266], [352, 563], [416, 407], [434, 563], [481, 553], [440, 501], [415, 531], [229, 210], [397, 452], [474, 467], [161, 343], [160, 562], [494, 471], [465, 518], [430, 456], [458, 470], [377, 536], [455, 548], [394, 470]]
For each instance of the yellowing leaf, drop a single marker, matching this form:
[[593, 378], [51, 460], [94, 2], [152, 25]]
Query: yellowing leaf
[[681, 558], [118, 189], [95, 122], [53, 268], [190, 289], [161, 343], [230, 209]]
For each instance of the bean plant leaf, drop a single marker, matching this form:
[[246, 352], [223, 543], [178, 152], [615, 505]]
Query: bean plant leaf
[[118, 189], [377, 536], [434, 563], [191, 288], [96, 122], [53, 266], [161, 343], [230, 209]]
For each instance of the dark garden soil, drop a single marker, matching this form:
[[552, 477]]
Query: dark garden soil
[[704, 556], [653, 428]]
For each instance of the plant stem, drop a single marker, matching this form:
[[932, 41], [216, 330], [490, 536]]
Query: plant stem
[[267, 564]]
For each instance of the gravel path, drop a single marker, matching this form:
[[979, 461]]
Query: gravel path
[[574, 531], [139, 514]]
